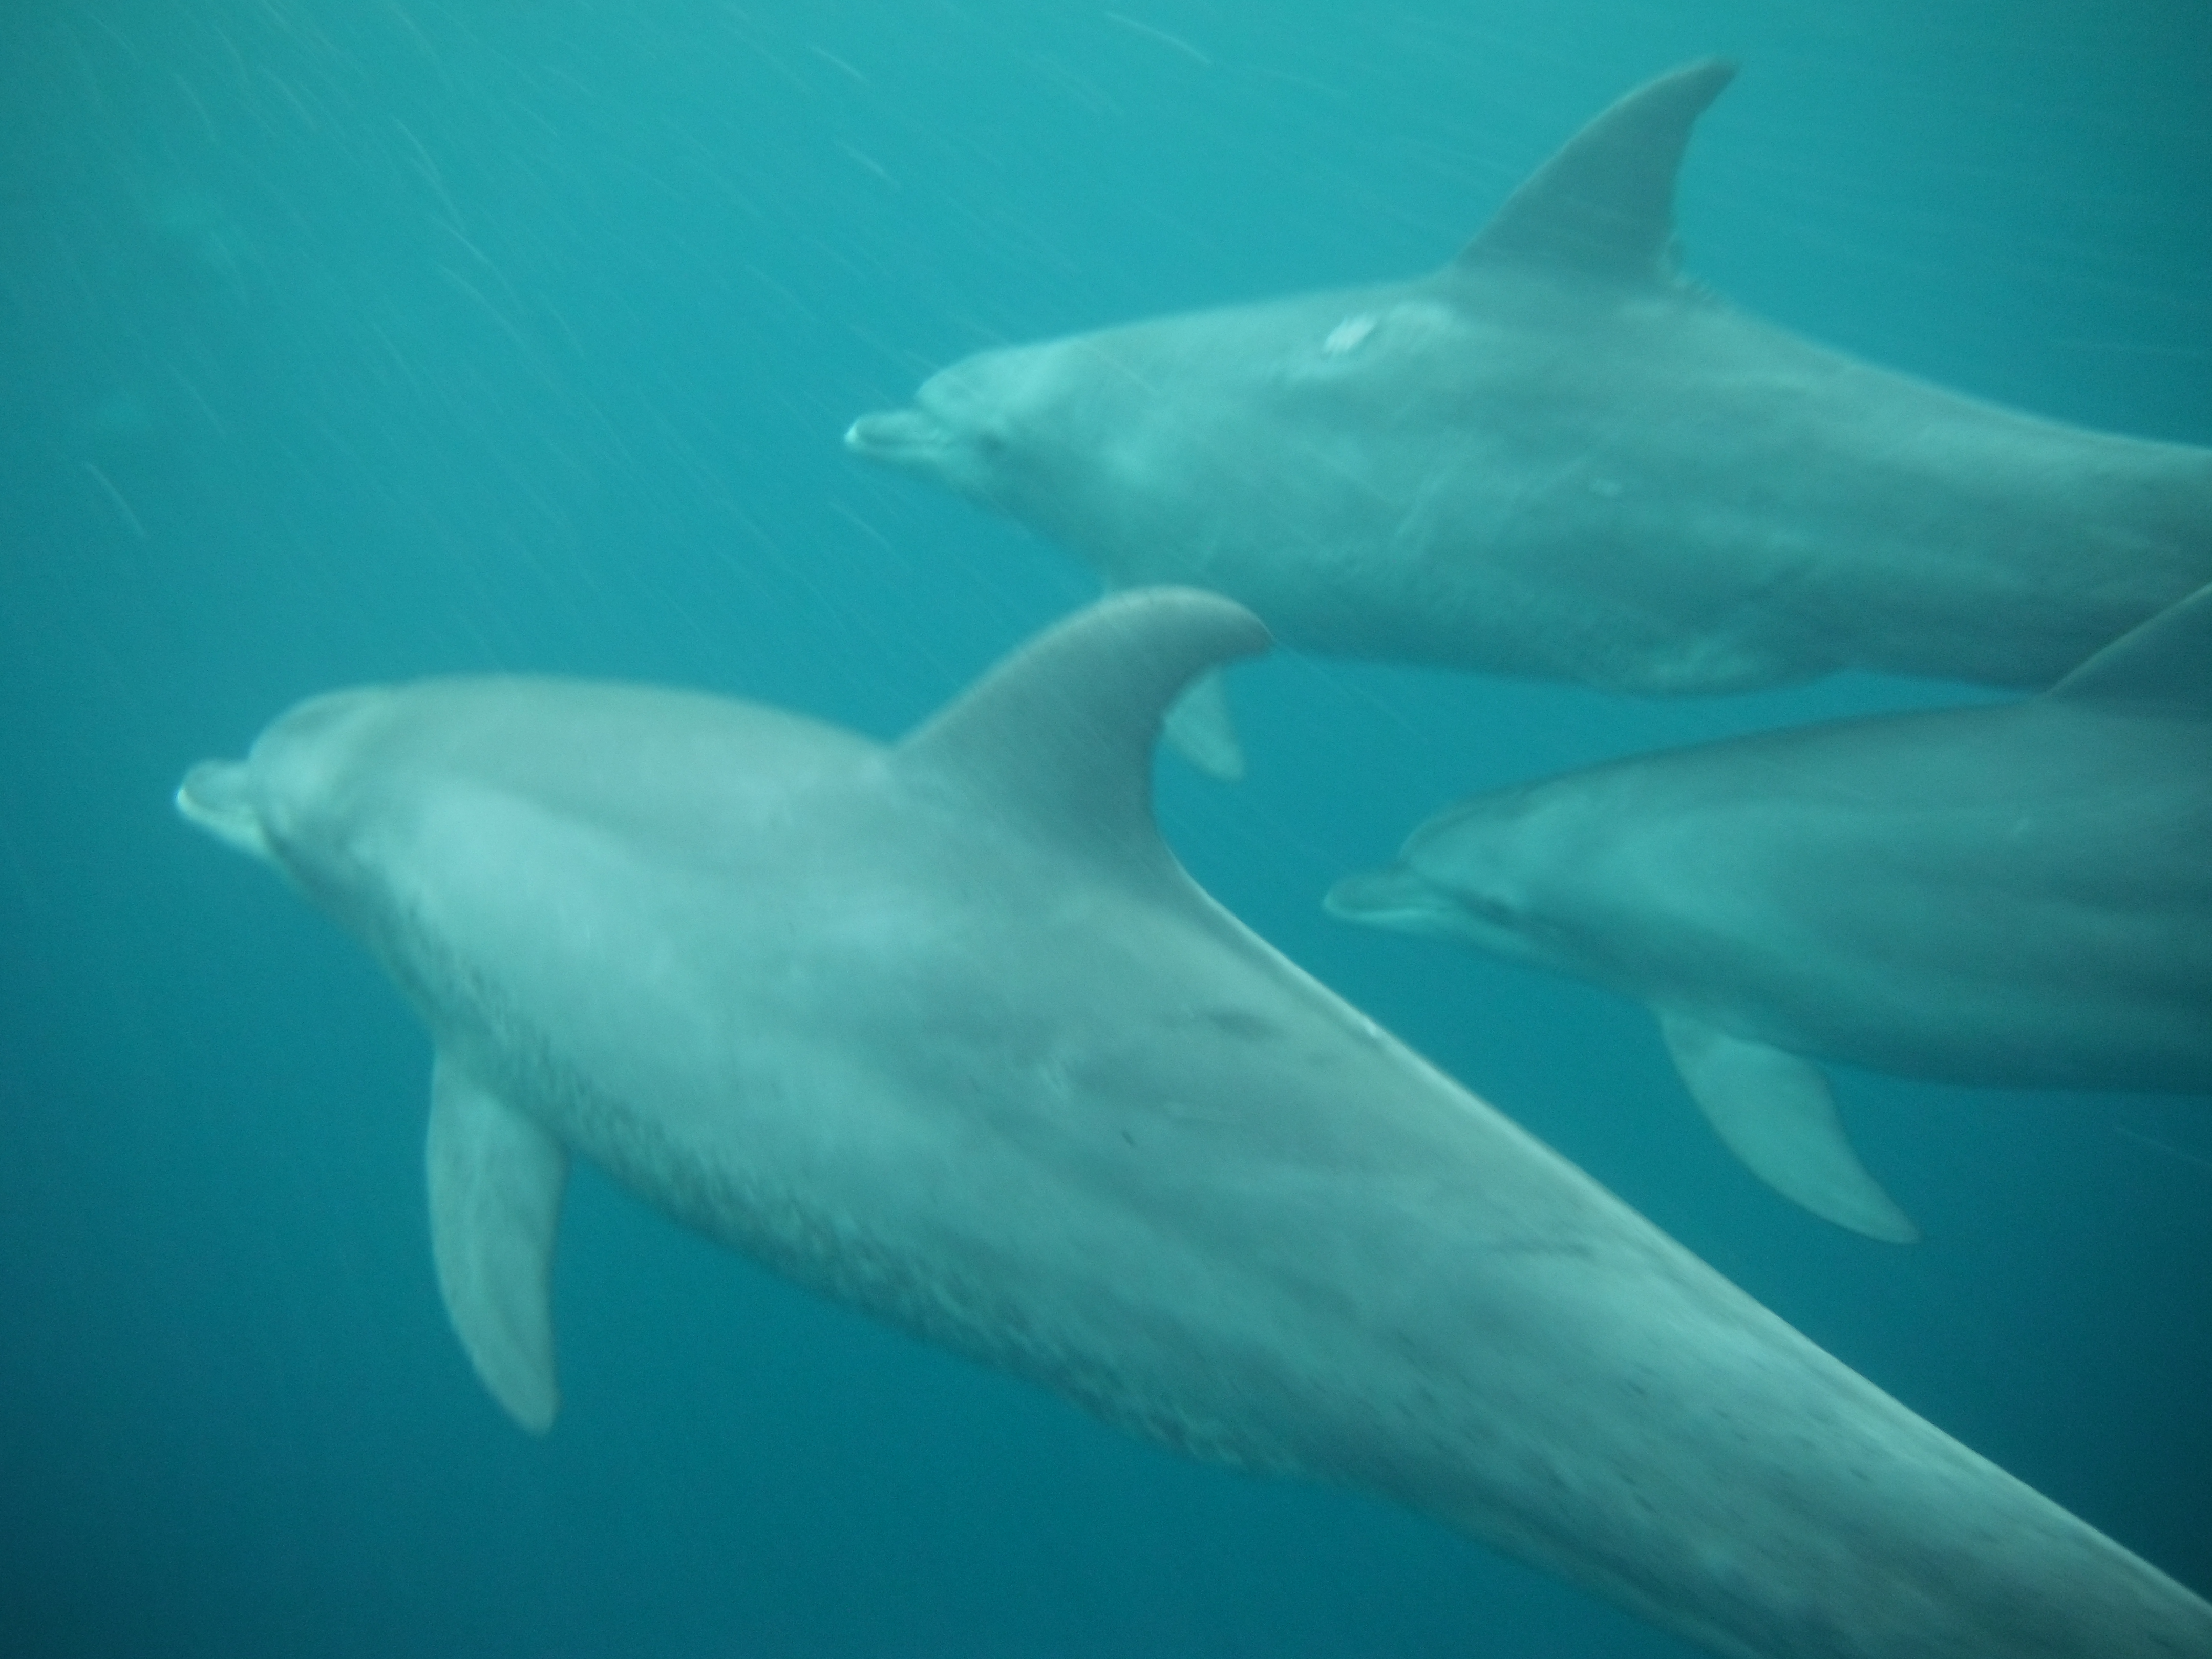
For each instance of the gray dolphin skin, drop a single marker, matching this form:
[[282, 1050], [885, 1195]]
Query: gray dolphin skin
[[2015, 895], [1554, 459], [942, 1029]]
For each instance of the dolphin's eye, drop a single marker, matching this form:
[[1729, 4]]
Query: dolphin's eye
[[1491, 908]]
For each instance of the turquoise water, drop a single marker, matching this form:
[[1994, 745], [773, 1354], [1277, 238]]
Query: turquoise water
[[363, 340]]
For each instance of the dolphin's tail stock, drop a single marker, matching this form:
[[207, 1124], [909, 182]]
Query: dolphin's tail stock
[[1826, 1521]]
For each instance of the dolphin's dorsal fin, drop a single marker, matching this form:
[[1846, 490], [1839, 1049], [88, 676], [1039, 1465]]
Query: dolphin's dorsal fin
[[2166, 661], [495, 1184], [1604, 204], [1061, 733]]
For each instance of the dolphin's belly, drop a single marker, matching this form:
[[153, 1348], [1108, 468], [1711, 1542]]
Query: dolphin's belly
[[1960, 1018]]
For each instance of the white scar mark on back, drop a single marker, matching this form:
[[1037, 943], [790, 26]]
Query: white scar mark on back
[[1347, 334]]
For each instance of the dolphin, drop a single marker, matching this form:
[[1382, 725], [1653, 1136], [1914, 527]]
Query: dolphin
[[942, 1029], [2017, 895], [1556, 459]]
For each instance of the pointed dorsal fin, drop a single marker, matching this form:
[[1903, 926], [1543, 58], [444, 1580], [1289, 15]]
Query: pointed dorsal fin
[[1604, 205], [2166, 661], [1061, 733]]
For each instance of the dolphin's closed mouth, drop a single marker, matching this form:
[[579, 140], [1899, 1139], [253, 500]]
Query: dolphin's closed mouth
[[1392, 898], [216, 796], [898, 437]]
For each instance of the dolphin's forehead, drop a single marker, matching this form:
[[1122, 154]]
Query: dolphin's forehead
[[1100, 390], [1480, 837], [653, 766], [350, 792], [315, 732], [370, 750], [577, 740], [1524, 859], [322, 716], [972, 385], [301, 754], [251, 803], [1217, 391]]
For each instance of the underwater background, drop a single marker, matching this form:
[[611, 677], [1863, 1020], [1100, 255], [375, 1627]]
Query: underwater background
[[370, 338]]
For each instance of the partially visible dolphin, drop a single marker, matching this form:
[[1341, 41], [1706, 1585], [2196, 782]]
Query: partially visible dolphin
[[943, 1029], [2017, 894], [1555, 458]]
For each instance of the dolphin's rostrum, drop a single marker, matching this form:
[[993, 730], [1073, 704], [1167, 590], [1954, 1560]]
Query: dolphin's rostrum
[[1555, 458], [2018, 895], [943, 1030]]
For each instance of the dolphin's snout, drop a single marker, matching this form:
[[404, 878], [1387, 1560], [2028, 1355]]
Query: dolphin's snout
[[898, 437], [217, 796], [1400, 899], [1378, 896]]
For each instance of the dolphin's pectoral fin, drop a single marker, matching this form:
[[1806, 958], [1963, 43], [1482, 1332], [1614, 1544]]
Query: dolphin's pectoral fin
[[1604, 204], [1774, 1112], [496, 1185], [1200, 729]]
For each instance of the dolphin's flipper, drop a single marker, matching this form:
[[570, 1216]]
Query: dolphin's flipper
[[2166, 661], [1200, 729], [1060, 735], [1604, 205], [1774, 1112], [496, 1185]]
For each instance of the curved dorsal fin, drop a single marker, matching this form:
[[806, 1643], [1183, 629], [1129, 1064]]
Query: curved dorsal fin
[[1061, 733], [2166, 660], [1604, 204]]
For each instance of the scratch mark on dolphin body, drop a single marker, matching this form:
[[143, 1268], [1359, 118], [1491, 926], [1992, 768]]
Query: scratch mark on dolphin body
[[1172, 42], [871, 164], [115, 498], [836, 62], [2157, 1146]]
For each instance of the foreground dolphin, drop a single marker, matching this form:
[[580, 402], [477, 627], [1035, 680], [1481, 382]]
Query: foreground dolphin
[[943, 1030], [2017, 896], [1554, 459]]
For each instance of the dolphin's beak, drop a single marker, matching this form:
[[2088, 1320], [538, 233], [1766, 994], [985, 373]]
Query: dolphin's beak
[[216, 795], [1395, 897], [911, 439]]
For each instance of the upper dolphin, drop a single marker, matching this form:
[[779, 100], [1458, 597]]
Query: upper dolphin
[[2018, 895], [943, 1030], [1555, 458]]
